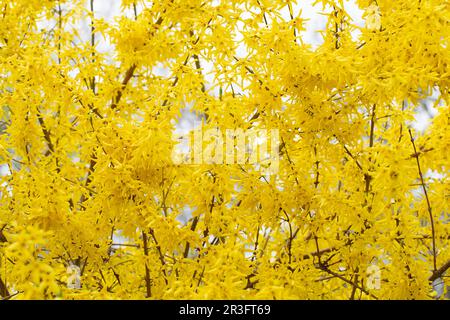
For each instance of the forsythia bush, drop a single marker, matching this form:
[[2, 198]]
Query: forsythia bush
[[359, 205]]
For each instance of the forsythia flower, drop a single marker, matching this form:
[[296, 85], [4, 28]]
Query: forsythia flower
[[208, 150]]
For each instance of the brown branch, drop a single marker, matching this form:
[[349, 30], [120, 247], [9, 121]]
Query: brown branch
[[80, 185], [355, 285], [197, 64], [255, 248], [193, 226], [283, 147], [337, 275], [264, 13], [46, 135], [291, 238], [128, 75], [91, 169], [161, 256], [148, 284], [318, 253], [12, 295], [291, 14], [3, 289], [440, 272], [352, 156], [200, 278], [433, 233], [2, 235], [91, 107], [197, 61], [336, 29], [372, 126], [368, 176], [92, 44]]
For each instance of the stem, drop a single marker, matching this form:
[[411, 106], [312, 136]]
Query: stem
[[60, 31], [92, 44], [255, 248], [291, 237], [161, 256], [128, 75], [291, 14], [355, 285], [440, 272], [193, 226], [347, 281], [433, 234], [3, 289], [148, 284], [135, 10]]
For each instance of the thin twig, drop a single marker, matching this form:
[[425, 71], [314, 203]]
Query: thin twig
[[433, 233], [347, 281], [3, 289], [148, 284], [161, 256]]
